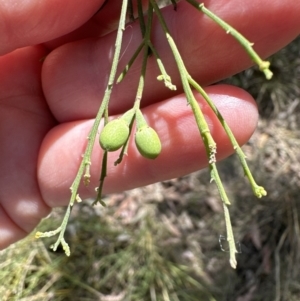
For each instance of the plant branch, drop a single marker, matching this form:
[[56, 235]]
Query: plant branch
[[207, 138], [86, 161], [263, 65]]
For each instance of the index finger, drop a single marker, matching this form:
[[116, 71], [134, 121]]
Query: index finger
[[33, 22]]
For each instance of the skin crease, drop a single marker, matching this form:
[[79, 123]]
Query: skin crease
[[46, 108]]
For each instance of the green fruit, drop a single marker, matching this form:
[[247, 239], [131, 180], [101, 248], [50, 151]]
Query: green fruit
[[147, 142], [114, 135]]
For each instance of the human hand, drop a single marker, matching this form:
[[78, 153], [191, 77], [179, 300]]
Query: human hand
[[47, 109]]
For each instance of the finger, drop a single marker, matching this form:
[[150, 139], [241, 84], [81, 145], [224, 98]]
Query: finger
[[103, 22], [34, 22], [182, 148], [75, 75], [24, 120]]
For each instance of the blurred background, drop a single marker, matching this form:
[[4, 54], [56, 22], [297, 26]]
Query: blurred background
[[166, 241]]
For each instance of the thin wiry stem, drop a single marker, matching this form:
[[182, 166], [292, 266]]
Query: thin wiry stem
[[86, 161], [247, 45], [207, 138]]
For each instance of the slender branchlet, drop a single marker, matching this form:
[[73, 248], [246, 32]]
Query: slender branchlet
[[248, 46], [147, 48], [209, 143], [86, 161]]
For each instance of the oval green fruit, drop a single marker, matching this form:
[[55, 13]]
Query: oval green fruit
[[148, 142], [114, 135]]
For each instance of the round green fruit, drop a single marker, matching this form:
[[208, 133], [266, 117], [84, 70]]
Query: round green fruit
[[114, 135], [148, 142]]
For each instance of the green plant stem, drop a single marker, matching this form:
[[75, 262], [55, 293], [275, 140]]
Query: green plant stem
[[101, 180], [147, 43], [141, 84], [263, 65], [174, 4], [130, 10], [201, 122], [147, 33], [230, 239], [131, 61], [163, 76], [141, 17], [187, 82], [208, 140], [125, 146], [86, 161], [258, 191], [136, 106]]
